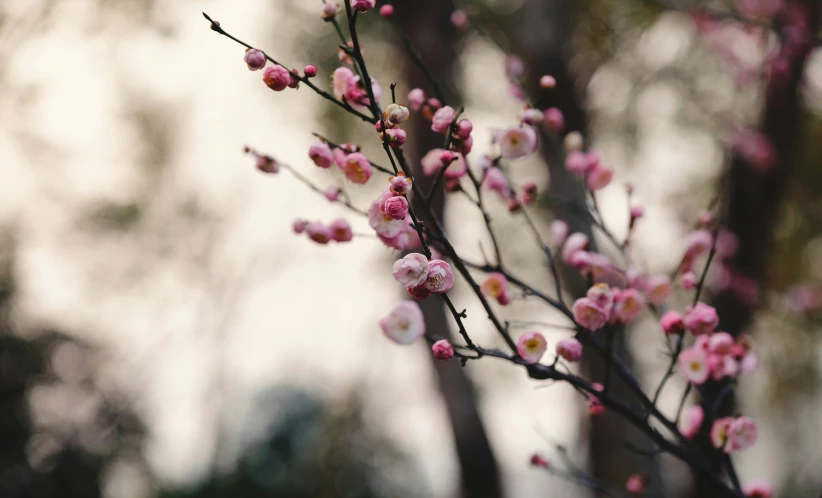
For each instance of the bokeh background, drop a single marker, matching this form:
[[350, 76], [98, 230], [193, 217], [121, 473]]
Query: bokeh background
[[164, 334]]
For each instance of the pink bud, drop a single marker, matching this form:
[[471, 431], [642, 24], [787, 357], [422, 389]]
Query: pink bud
[[442, 119], [357, 168], [255, 59], [758, 489], [599, 177], [554, 119], [700, 319], [276, 78], [318, 232], [559, 232], [706, 219], [547, 82], [387, 11], [396, 137], [531, 347], [267, 164], [575, 242], [447, 157], [299, 225], [570, 349], [637, 212], [459, 19], [636, 484], [590, 315], [310, 71], [531, 116], [416, 98], [363, 5], [578, 162], [320, 153], [671, 322], [691, 421], [341, 230], [330, 10], [689, 280], [464, 128], [443, 350], [538, 460], [332, 194], [514, 67], [396, 207]]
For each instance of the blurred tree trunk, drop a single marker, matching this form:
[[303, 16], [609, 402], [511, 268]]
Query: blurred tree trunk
[[432, 35], [752, 203], [544, 32]]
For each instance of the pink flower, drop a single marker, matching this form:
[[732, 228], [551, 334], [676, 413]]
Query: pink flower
[[530, 116], [659, 289], [332, 193], [387, 228], [722, 366], [255, 59], [569, 349], [320, 153], [628, 305], [578, 162], [742, 434], [440, 279], [748, 363], [432, 161], [547, 82], [531, 346], [637, 212], [442, 119], [357, 168], [443, 350], [554, 120], [416, 98], [538, 460], [496, 287], [400, 184], [341, 230], [387, 11], [276, 78], [559, 232], [300, 225], [700, 319], [636, 484], [517, 142], [574, 243], [721, 343], [589, 315], [330, 10], [719, 431], [602, 296], [396, 114], [412, 270], [529, 193], [310, 71], [689, 280], [341, 80], [495, 181], [697, 243], [599, 177], [356, 92], [405, 323], [318, 232], [758, 489], [595, 406], [693, 364], [671, 322], [363, 5], [396, 207], [459, 19], [691, 421], [395, 137], [267, 164], [457, 168], [464, 129]]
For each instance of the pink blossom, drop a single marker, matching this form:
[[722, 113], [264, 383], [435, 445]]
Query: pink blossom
[[457, 168], [719, 431], [758, 489], [742, 434], [440, 279], [357, 168], [320, 153], [689, 280], [442, 119], [310, 71], [574, 243], [635, 484], [387, 11], [276, 78], [569, 349], [755, 148], [589, 315], [599, 177], [443, 350], [416, 98], [459, 19], [559, 232], [721, 343], [318, 232], [706, 219], [395, 137], [538, 460], [628, 305], [496, 287], [495, 181], [396, 114], [700, 319], [400, 242], [659, 289], [404, 324], [356, 92], [530, 116], [578, 162], [547, 82], [514, 67], [412, 270], [330, 10], [748, 363], [399, 184], [697, 243], [267, 164], [637, 212], [554, 120], [363, 5], [464, 128], [602, 296], [691, 421], [332, 193], [693, 364], [447, 157], [431, 162], [294, 79], [531, 346], [387, 228], [529, 192], [722, 366], [299, 225], [255, 59], [341, 230], [341, 80], [396, 207], [671, 322], [595, 406], [517, 142]]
